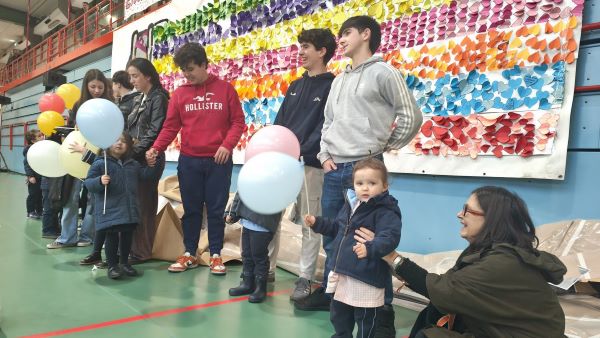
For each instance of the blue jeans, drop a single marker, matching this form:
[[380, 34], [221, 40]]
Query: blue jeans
[[335, 184], [70, 219], [202, 181]]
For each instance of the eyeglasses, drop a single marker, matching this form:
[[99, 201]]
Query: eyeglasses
[[467, 210]]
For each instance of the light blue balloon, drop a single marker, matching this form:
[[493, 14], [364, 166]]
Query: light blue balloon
[[270, 181], [101, 122]]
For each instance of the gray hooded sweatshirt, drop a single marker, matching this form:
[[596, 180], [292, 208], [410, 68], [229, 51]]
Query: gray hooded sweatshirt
[[362, 106]]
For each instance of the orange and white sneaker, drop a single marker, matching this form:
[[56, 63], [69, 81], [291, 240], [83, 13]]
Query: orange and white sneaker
[[216, 265], [183, 263]]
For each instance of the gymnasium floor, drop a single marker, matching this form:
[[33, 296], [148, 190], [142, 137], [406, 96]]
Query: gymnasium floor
[[46, 293]]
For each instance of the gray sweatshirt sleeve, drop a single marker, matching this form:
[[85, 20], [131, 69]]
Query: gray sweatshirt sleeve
[[408, 116]]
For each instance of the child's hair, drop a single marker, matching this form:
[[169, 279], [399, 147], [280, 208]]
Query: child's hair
[[31, 136], [121, 77], [91, 75], [146, 67], [361, 23], [372, 163], [128, 140], [191, 52], [320, 38]]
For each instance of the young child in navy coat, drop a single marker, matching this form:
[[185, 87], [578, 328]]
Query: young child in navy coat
[[358, 274], [122, 215]]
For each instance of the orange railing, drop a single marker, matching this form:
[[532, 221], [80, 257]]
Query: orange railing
[[99, 20]]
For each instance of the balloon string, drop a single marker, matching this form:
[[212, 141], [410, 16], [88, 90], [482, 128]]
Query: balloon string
[[306, 194], [106, 186]]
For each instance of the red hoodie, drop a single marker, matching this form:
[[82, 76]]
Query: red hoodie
[[209, 116]]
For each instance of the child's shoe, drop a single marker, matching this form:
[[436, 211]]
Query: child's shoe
[[113, 272], [216, 265], [183, 263], [246, 287], [260, 293], [129, 270]]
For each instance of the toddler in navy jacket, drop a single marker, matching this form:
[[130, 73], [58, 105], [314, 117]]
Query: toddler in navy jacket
[[358, 274]]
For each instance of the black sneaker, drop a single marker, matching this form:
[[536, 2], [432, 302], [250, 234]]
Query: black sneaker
[[316, 301], [129, 270], [91, 259]]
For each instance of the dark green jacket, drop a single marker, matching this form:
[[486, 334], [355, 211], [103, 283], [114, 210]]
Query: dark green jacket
[[500, 292]]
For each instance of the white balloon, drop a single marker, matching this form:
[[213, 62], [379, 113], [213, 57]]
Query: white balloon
[[43, 159], [270, 181], [100, 121], [70, 160]]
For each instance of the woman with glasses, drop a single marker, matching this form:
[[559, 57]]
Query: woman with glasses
[[499, 284]]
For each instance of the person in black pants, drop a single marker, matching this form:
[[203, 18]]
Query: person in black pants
[[34, 180], [257, 234]]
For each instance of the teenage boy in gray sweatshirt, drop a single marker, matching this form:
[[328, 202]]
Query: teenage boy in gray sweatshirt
[[363, 104]]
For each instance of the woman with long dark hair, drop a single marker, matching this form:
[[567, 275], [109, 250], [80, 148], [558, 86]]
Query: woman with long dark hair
[[499, 284], [144, 123]]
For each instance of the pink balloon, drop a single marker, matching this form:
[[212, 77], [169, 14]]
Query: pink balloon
[[273, 138], [51, 102]]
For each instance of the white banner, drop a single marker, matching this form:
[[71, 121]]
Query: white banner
[[135, 6]]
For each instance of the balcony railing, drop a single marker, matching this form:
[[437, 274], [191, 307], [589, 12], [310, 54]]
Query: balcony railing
[[99, 20]]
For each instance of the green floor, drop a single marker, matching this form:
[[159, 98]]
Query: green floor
[[45, 293]]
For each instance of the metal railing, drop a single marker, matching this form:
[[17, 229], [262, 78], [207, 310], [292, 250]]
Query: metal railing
[[97, 21]]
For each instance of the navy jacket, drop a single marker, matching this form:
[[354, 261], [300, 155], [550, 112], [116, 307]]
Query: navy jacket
[[121, 199], [302, 111], [240, 210], [28, 170], [381, 215]]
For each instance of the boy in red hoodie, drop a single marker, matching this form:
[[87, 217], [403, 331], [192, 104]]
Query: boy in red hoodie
[[207, 110]]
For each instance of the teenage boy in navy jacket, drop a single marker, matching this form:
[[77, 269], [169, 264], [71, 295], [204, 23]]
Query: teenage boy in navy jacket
[[302, 112]]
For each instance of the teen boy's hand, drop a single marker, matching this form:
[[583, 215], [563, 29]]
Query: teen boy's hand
[[229, 219], [222, 155], [329, 165], [105, 179], [360, 250], [31, 179], [310, 220]]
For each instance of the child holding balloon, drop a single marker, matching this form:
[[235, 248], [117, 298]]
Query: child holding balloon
[[121, 215], [358, 275], [257, 234], [34, 180]]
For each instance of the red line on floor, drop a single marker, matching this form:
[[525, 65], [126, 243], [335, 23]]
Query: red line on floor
[[146, 316]]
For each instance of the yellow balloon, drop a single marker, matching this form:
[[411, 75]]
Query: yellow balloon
[[69, 93], [49, 120], [70, 160]]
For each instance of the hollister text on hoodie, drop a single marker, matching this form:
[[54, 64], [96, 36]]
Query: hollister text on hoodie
[[209, 116]]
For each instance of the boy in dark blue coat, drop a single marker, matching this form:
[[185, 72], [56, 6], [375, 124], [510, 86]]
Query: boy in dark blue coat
[[358, 274], [121, 215]]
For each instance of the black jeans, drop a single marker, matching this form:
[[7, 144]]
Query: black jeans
[[34, 199], [118, 244], [255, 252], [343, 317]]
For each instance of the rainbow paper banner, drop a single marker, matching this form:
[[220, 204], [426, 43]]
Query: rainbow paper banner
[[493, 78]]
